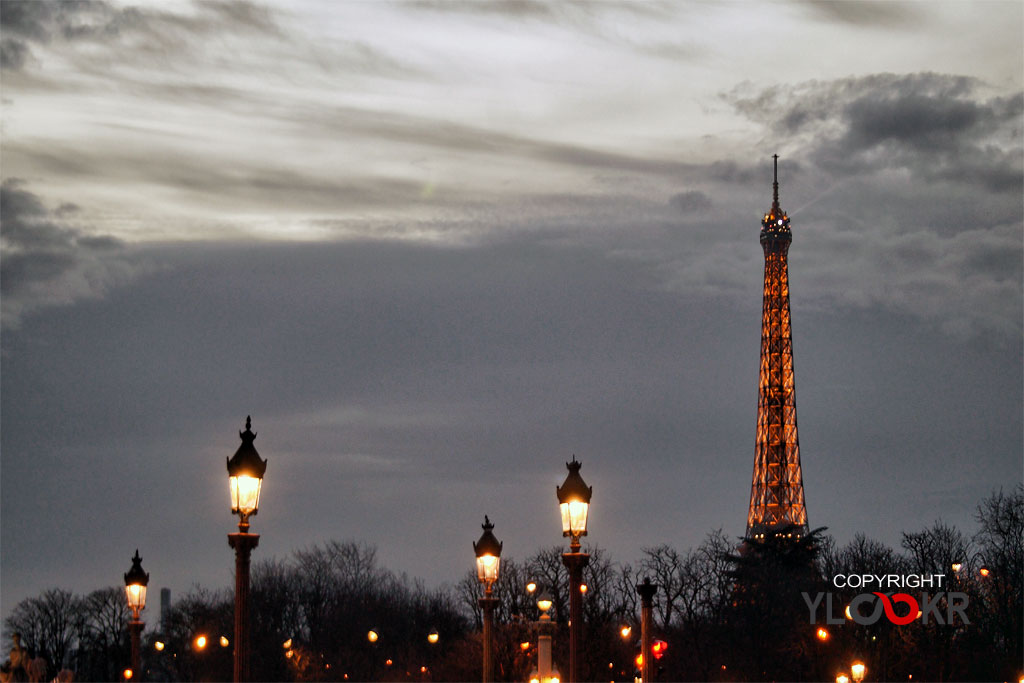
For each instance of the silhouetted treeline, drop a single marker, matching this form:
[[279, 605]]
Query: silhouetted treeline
[[729, 610]]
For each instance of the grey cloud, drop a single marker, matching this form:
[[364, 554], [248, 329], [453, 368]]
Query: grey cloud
[[47, 22], [690, 201], [936, 126], [868, 14], [46, 262]]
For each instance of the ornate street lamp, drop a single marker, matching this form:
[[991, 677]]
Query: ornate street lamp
[[488, 561], [245, 479], [135, 582], [574, 505]]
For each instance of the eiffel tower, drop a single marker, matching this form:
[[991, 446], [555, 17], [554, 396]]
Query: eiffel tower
[[777, 493]]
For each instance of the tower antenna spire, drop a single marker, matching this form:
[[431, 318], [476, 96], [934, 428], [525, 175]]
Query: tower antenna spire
[[775, 183]]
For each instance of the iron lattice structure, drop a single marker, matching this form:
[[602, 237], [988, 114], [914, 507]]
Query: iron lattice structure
[[777, 492]]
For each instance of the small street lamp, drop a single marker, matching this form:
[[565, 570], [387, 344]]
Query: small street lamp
[[245, 478], [545, 672], [857, 671], [488, 561], [574, 505], [135, 582]]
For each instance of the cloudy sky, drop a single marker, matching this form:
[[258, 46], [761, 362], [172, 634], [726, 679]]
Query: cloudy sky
[[437, 248]]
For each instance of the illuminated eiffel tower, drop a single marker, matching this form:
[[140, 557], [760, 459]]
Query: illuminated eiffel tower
[[777, 492]]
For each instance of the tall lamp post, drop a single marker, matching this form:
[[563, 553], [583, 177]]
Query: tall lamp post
[[245, 478], [135, 582], [574, 503], [488, 561]]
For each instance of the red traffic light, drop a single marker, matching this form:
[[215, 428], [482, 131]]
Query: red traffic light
[[658, 648]]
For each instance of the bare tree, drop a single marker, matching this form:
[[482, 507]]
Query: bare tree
[[50, 624]]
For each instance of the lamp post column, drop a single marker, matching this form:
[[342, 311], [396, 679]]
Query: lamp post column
[[544, 648], [243, 543], [135, 630], [487, 604], [646, 591], [575, 561]]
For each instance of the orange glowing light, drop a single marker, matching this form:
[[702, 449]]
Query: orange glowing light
[[639, 660], [127, 673], [847, 611], [372, 636], [423, 669], [524, 646], [287, 644], [200, 642], [658, 648], [822, 634], [956, 566], [842, 678], [532, 586], [983, 571], [159, 646], [583, 588], [388, 662], [224, 642], [857, 670], [625, 631]]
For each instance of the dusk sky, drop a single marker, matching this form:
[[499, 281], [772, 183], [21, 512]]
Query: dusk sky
[[435, 249]]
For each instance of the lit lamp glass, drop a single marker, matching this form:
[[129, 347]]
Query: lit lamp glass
[[135, 582], [857, 671], [574, 503], [488, 556], [842, 678], [245, 477], [433, 637], [544, 601]]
